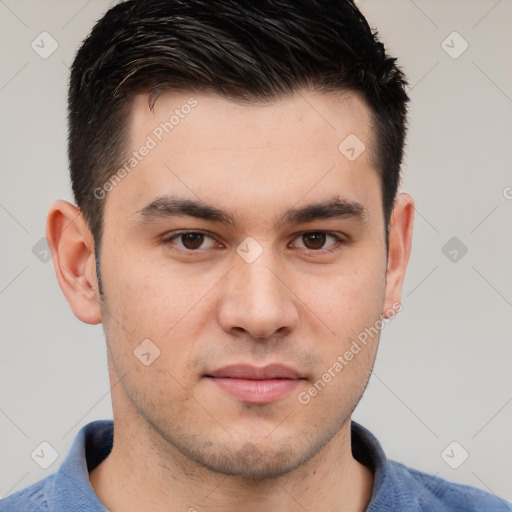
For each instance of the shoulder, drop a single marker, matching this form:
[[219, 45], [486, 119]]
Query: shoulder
[[435, 493], [31, 498], [68, 488], [399, 488]]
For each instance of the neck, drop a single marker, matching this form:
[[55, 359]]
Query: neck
[[143, 472]]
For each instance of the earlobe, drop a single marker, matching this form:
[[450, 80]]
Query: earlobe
[[72, 246], [400, 243]]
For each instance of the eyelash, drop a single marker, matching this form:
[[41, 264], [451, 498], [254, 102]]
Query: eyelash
[[339, 240]]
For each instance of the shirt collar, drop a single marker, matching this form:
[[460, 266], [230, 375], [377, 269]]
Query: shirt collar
[[71, 487]]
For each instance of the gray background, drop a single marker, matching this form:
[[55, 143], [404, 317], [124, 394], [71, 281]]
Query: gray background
[[443, 369]]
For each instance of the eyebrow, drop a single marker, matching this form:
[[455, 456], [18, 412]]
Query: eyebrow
[[168, 206]]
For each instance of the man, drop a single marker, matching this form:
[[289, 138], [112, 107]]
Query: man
[[213, 146]]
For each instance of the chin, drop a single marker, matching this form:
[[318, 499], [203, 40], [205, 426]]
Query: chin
[[252, 463]]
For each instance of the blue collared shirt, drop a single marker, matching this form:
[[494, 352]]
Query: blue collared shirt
[[397, 488]]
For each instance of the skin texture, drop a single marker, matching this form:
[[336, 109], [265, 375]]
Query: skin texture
[[180, 442]]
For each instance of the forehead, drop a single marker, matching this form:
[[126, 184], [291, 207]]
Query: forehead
[[209, 122], [249, 158]]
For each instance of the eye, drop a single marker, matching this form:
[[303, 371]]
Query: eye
[[190, 240], [315, 240]]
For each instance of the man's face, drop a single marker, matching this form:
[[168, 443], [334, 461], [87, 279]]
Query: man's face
[[292, 293]]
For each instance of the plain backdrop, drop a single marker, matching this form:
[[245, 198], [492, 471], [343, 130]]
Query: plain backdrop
[[442, 373]]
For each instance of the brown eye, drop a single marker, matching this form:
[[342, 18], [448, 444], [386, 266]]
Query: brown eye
[[192, 240], [189, 240], [315, 241]]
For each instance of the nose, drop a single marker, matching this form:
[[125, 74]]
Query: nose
[[257, 300]]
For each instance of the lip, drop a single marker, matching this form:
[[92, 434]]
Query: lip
[[245, 371], [255, 385]]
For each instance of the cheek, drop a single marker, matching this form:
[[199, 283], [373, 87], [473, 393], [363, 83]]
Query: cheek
[[147, 296], [147, 302], [350, 305], [347, 355], [353, 294]]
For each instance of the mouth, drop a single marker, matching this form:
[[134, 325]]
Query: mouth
[[255, 385]]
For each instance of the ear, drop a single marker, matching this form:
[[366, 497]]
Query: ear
[[400, 242], [72, 246]]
